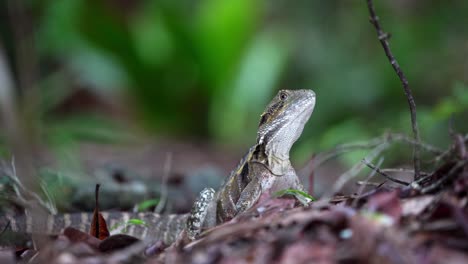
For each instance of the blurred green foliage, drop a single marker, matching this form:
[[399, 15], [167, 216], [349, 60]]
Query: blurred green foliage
[[207, 68]]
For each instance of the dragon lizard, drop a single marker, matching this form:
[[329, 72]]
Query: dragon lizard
[[265, 168]]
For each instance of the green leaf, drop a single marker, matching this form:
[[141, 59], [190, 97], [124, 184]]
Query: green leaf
[[143, 206], [135, 221], [303, 197], [379, 218], [132, 221], [114, 227]]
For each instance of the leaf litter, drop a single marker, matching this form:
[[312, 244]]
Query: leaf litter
[[424, 222]]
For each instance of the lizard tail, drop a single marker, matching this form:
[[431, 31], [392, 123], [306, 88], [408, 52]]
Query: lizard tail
[[141, 225]]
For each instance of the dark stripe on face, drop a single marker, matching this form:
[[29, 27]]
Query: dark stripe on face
[[264, 118], [270, 113]]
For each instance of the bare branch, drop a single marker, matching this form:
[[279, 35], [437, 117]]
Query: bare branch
[[366, 183], [369, 144], [402, 170], [451, 174], [368, 164], [24, 196], [383, 38], [356, 169], [166, 172], [446, 154]]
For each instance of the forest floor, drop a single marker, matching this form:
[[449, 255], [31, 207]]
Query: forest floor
[[425, 221]]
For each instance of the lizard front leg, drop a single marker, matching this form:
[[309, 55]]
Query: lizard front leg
[[199, 212], [262, 181], [251, 194]]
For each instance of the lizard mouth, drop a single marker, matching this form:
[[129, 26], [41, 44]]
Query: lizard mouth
[[305, 107]]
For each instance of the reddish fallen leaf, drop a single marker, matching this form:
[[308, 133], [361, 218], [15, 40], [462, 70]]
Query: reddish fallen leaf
[[440, 254], [7, 256], [308, 252], [98, 224], [116, 242], [387, 203], [76, 236], [461, 184], [20, 250], [440, 210], [415, 206], [155, 248], [461, 217], [27, 255]]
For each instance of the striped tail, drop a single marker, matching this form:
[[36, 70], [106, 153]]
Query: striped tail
[[150, 226]]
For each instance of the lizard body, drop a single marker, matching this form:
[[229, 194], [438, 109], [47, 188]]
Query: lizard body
[[265, 168]]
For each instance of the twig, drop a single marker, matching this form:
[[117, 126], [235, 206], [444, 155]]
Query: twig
[[436, 225], [460, 145], [351, 173], [166, 172], [448, 152], [368, 164], [22, 28], [21, 191], [402, 170], [372, 191], [366, 183], [383, 38], [445, 178], [5, 228], [20, 138], [372, 143], [450, 126], [458, 140]]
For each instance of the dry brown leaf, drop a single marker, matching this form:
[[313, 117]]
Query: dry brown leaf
[[98, 225]]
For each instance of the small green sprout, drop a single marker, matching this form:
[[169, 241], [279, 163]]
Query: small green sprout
[[302, 196], [128, 223], [145, 205]]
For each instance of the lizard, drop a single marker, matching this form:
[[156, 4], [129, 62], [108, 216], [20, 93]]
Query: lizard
[[265, 168]]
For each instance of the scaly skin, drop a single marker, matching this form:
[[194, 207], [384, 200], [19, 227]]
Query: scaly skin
[[265, 168]]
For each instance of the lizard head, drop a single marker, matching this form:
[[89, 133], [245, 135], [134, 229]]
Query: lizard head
[[281, 125]]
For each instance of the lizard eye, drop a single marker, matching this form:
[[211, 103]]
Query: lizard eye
[[283, 95]]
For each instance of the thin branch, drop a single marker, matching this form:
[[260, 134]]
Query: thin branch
[[459, 142], [402, 170], [366, 183], [354, 171], [5, 228], [446, 154], [323, 157], [23, 33], [452, 173], [383, 38], [24, 196], [368, 164], [166, 173]]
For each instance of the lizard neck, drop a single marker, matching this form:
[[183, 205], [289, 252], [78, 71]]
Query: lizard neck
[[273, 157]]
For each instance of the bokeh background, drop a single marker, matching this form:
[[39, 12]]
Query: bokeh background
[[196, 75]]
